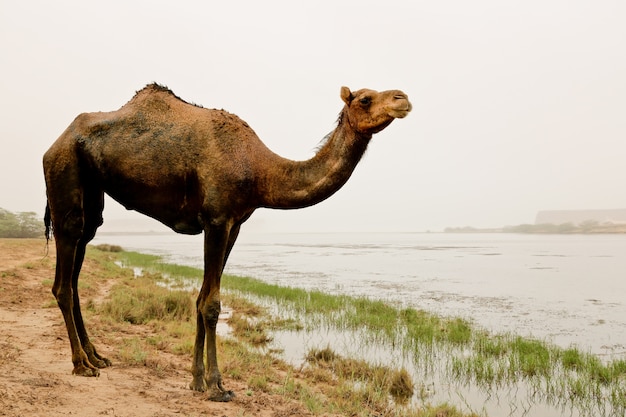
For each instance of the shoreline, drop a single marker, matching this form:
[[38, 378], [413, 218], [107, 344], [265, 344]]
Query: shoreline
[[457, 334]]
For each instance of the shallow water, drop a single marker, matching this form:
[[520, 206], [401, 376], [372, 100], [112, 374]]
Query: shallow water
[[567, 289]]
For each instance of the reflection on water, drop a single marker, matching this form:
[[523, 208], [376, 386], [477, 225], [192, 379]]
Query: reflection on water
[[567, 289]]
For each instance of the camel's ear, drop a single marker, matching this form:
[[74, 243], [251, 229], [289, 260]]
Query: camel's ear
[[346, 95]]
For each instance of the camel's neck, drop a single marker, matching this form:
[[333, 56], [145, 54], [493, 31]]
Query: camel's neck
[[297, 184]]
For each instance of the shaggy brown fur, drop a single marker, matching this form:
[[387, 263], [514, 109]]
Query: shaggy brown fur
[[196, 170]]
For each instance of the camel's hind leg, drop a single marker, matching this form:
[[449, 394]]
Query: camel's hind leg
[[94, 357], [74, 226]]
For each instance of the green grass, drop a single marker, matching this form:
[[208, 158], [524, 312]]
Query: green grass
[[133, 352], [154, 263], [396, 382], [139, 301]]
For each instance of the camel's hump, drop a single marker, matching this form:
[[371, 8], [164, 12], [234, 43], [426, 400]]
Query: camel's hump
[[156, 89]]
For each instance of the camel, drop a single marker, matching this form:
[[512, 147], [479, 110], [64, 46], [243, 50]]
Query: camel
[[196, 170]]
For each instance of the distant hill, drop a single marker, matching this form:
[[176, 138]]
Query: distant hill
[[576, 217], [562, 222]]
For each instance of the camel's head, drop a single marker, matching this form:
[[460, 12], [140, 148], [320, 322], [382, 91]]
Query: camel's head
[[370, 111]]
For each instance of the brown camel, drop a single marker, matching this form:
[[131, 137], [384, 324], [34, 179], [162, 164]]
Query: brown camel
[[195, 170]]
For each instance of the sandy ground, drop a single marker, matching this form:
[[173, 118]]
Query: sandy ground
[[36, 370]]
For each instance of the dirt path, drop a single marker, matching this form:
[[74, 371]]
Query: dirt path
[[36, 370]]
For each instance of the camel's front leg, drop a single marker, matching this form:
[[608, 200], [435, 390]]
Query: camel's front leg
[[197, 366], [213, 377], [216, 247]]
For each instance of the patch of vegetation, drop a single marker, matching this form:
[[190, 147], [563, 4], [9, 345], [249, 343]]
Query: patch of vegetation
[[140, 301], [154, 264], [108, 248], [396, 382], [250, 329]]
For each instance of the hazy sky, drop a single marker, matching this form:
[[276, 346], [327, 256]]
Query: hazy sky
[[519, 106]]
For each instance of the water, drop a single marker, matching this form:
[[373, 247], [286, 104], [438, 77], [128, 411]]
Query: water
[[568, 289]]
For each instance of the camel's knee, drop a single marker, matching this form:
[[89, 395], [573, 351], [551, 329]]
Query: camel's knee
[[73, 224], [63, 296], [69, 227], [76, 226], [210, 310]]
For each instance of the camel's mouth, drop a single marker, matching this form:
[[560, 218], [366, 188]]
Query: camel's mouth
[[401, 106], [401, 111]]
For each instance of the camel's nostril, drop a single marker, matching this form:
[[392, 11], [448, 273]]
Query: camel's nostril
[[400, 97]]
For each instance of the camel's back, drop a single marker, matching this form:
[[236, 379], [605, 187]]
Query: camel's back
[[156, 137], [159, 112], [156, 130], [158, 150]]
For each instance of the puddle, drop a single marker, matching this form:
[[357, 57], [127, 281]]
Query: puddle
[[430, 374], [137, 272]]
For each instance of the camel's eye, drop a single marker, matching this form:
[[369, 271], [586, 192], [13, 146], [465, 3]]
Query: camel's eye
[[365, 101]]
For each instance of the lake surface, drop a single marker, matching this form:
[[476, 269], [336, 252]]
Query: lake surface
[[569, 289]]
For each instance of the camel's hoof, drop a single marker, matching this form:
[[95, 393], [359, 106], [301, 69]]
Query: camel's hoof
[[222, 396], [102, 362], [82, 370], [197, 386], [95, 359]]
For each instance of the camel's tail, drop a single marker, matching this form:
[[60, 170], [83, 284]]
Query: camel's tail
[[47, 220]]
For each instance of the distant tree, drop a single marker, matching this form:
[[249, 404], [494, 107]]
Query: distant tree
[[20, 225]]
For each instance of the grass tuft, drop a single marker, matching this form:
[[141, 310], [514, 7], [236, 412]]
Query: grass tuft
[[140, 301], [108, 248], [401, 385]]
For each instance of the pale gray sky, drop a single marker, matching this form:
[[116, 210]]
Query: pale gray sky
[[519, 106]]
